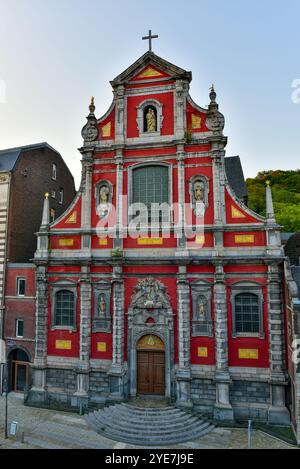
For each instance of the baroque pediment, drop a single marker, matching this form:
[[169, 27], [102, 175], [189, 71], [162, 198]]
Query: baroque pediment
[[148, 63]]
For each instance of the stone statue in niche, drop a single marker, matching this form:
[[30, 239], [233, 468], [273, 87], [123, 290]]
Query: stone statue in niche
[[103, 207], [201, 308], [199, 191], [102, 309], [104, 195], [151, 120]]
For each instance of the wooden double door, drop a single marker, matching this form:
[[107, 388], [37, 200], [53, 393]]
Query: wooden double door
[[151, 372]]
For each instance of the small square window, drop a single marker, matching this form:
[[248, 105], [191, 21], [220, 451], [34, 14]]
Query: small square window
[[21, 286], [20, 328]]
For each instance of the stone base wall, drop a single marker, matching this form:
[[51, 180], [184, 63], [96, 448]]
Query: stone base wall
[[65, 380], [250, 399], [250, 392], [99, 383]]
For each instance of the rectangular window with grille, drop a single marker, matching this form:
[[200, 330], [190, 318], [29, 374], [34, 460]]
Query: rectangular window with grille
[[64, 308], [247, 314], [151, 186]]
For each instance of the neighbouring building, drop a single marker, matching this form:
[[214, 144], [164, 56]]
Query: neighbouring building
[[193, 312], [292, 305], [26, 173]]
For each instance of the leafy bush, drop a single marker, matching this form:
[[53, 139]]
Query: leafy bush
[[286, 196]]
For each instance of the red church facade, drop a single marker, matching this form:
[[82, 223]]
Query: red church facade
[[193, 311]]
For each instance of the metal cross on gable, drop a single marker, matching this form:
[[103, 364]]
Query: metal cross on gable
[[150, 37]]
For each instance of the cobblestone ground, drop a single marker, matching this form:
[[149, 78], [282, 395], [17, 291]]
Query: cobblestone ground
[[47, 429]]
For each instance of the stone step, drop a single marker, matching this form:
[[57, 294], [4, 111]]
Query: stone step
[[151, 441], [144, 417], [158, 429], [147, 426], [132, 408], [145, 410]]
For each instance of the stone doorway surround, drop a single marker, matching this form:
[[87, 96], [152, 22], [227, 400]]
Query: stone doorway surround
[[150, 313]]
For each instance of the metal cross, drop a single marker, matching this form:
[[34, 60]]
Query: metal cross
[[150, 37]]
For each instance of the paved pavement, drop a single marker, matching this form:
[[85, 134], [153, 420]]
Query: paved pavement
[[47, 429]]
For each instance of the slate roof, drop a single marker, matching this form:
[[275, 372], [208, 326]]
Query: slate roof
[[235, 176], [10, 156]]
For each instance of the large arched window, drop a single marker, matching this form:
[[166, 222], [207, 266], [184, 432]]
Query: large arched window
[[247, 313], [150, 185], [64, 308]]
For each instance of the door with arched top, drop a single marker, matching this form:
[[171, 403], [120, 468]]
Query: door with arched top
[[151, 366], [18, 370]]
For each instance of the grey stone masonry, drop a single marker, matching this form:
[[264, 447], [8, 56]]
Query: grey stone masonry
[[276, 329], [118, 324], [85, 318], [221, 330], [99, 383], [183, 290], [181, 194], [118, 241], [86, 188], [41, 317], [184, 333], [223, 409], [219, 185], [250, 392], [278, 413], [203, 391], [62, 379]]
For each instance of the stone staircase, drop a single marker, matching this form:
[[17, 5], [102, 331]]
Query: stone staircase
[[157, 426]]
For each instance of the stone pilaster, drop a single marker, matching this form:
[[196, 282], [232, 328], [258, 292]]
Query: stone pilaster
[[219, 197], [120, 106], [117, 370], [85, 334], [183, 374], [118, 242], [41, 320], [87, 199], [278, 413], [181, 88], [223, 409], [181, 197]]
